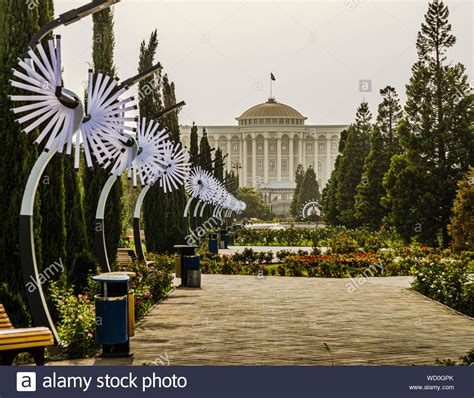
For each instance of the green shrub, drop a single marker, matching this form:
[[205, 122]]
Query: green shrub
[[76, 327], [449, 281]]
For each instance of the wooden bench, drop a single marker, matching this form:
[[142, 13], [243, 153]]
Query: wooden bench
[[14, 341], [125, 257]]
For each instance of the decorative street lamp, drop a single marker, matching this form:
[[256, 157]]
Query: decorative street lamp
[[159, 161], [60, 113]]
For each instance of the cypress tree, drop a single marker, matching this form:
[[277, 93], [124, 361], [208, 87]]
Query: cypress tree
[[218, 165], [95, 178], [174, 228], [355, 150], [329, 204], [155, 206], [436, 135], [17, 156], [299, 177], [194, 145], [384, 143], [309, 188], [205, 155]]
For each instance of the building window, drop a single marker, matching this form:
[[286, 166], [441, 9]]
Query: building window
[[272, 147], [235, 147], [274, 121], [283, 147], [272, 165], [255, 121], [268, 121], [309, 147], [320, 167], [321, 147], [284, 165], [259, 147], [260, 165], [334, 146]]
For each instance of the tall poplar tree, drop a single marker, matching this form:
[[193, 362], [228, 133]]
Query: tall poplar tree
[[309, 189], [436, 135], [384, 143], [218, 165], [95, 178], [205, 155], [355, 150]]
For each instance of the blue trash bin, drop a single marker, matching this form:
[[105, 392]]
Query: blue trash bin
[[111, 306], [189, 261], [213, 244]]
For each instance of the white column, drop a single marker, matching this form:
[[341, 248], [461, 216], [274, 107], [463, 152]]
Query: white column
[[265, 160], [229, 156], [279, 159], [290, 160], [316, 157], [304, 151], [328, 159], [300, 151], [243, 145], [254, 161]]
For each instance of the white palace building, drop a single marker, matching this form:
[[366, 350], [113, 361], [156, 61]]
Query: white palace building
[[266, 146]]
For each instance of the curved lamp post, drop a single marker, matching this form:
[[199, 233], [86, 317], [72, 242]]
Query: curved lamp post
[[159, 161], [61, 114]]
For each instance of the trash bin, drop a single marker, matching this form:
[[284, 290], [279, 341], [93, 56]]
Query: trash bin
[[213, 244], [189, 262], [224, 239], [131, 302], [112, 315]]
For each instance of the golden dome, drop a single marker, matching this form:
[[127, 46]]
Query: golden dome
[[270, 111]]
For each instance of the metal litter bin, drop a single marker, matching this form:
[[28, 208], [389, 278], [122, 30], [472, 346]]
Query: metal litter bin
[[189, 263], [213, 243], [112, 315], [224, 239]]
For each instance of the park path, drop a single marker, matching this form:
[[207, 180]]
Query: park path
[[246, 320]]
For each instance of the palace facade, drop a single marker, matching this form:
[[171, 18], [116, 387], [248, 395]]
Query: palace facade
[[266, 146]]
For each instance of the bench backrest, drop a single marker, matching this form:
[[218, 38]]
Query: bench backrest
[[4, 320], [125, 257]]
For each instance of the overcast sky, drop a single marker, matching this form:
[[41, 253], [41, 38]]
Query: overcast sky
[[220, 54]]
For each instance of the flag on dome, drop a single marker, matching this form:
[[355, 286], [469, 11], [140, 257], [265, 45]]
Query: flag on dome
[[272, 76]]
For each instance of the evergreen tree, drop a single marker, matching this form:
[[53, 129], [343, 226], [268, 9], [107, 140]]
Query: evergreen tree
[[436, 135], [17, 156], [384, 143], [299, 177], [329, 204], [355, 150], [205, 155], [95, 178], [218, 165], [150, 103], [309, 189], [194, 145], [461, 228]]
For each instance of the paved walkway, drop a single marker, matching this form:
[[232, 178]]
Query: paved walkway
[[245, 320]]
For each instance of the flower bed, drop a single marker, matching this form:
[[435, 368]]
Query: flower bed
[[76, 313]]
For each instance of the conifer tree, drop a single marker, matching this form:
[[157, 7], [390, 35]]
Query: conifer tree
[[218, 165], [17, 156], [329, 204], [95, 178], [194, 145], [205, 155], [355, 150], [299, 177], [309, 188], [461, 228], [384, 143], [436, 135]]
